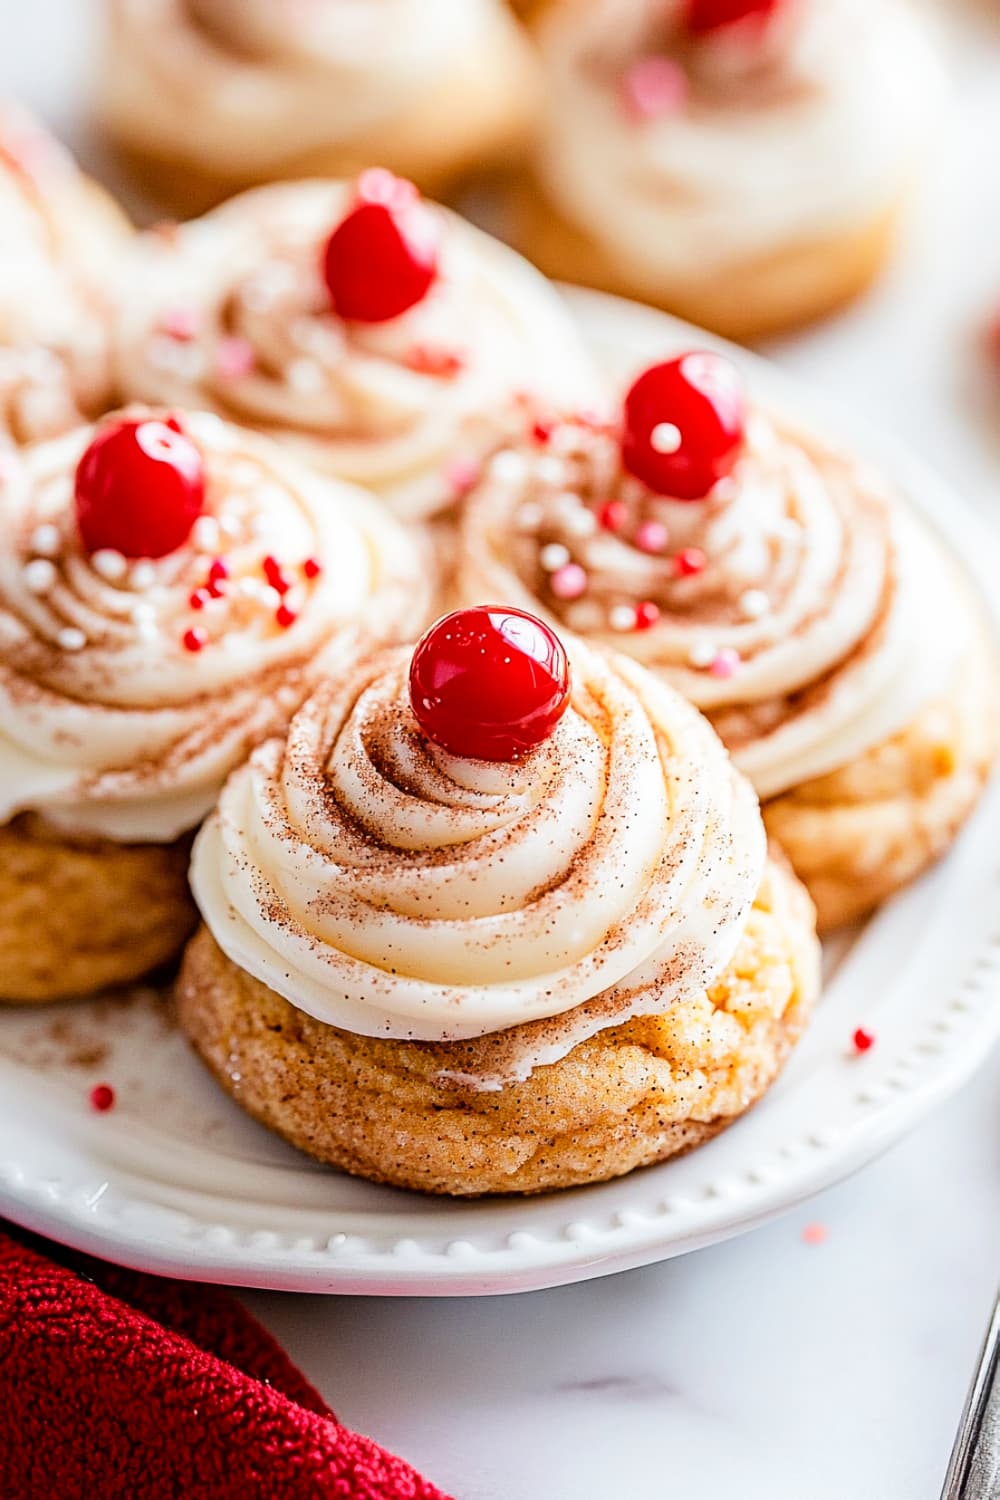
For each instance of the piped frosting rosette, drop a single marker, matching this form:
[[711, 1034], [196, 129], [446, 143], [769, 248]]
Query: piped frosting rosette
[[130, 687], [788, 597], [682, 144], [391, 888], [233, 312], [61, 243]]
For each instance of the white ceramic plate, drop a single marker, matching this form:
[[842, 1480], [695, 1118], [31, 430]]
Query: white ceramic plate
[[176, 1179]]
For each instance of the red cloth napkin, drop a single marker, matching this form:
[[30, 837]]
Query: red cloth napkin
[[114, 1383]]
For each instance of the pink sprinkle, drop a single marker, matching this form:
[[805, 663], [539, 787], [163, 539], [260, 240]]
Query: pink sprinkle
[[613, 515], [234, 357], [102, 1097], [652, 88], [725, 662], [461, 474], [427, 360], [569, 581], [651, 536], [180, 323], [815, 1234]]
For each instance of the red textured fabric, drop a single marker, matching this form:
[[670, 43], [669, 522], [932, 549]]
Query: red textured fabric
[[113, 1383]]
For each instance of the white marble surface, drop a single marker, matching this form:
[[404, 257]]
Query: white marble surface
[[765, 1369]]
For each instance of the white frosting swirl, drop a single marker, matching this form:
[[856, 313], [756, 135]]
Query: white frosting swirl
[[108, 723], [271, 79], [805, 133], [60, 246], [386, 887], [832, 616], [406, 406]]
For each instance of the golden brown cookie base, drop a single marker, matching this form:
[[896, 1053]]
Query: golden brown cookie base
[[861, 833], [77, 917], [748, 300], [483, 114], [632, 1095]]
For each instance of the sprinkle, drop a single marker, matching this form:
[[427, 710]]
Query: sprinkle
[[622, 617], [234, 357], [646, 615], [285, 616], [305, 376], [541, 432], [613, 515], [218, 569], [723, 490], [275, 575], [754, 603], [508, 467], [553, 556], [702, 654], [529, 517], [199, 598], [71, 639], [651, 536], [102, 1098], [863, 1039], [110, 564], [569, 582], [652, 88], [194, 639], [725, 662], [580, 521], [46, 541], [255, 588], [461, 474], [550, 470], [312, 567], [141, 609], [142, 575], [205, 534], [426, 360], [665, 438], [180, 323], [689, 561], [183, 360], [39, 575], [815, 1234]]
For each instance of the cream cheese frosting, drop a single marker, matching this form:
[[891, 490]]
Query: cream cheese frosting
[[391, 889], [230, 312], [109, 724], [60, 244], [817, 618], [786, 134]]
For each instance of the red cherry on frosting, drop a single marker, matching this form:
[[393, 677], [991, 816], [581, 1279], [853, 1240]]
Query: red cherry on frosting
[[489, 683], [684, 423], [704, 16], [382, 258], [140, 487]]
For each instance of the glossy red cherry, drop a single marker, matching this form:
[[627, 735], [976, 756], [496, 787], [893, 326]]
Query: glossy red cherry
[[140, 487], [684, 423], [382, 258], [489, 683], [704, 16]]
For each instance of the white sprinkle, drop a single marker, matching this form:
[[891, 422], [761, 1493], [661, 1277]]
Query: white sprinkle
[[551, 470], [580, 521], [529, 517], [322, 340], [702, 654], [142, 575], [256, 588], [754, 603], [564, 439], [269, 285], [230, 526], [143, 610], [508, 467], [205, 534], [622, 617], [71, 639], [665, 438], [305, 376], [723, 490], [46, 541], [39, 575], [553, 556], [146, 630], [110, 564]]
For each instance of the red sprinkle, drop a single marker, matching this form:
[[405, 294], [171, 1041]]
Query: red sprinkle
[[217, 568], [646, 615], [199, 598], [275, 575], [312, 567], [815, 1234], [194, 639], [689, 561], [613, 515], [541, 432], [180, 323], [427, 360], [863, 1039], [102, 1097], [285, 616]]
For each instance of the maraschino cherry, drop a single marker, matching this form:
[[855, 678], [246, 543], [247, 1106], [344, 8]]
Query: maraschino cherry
[[684, 425], [704, 16], [382, 258], [489, 683], [140, 487]]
